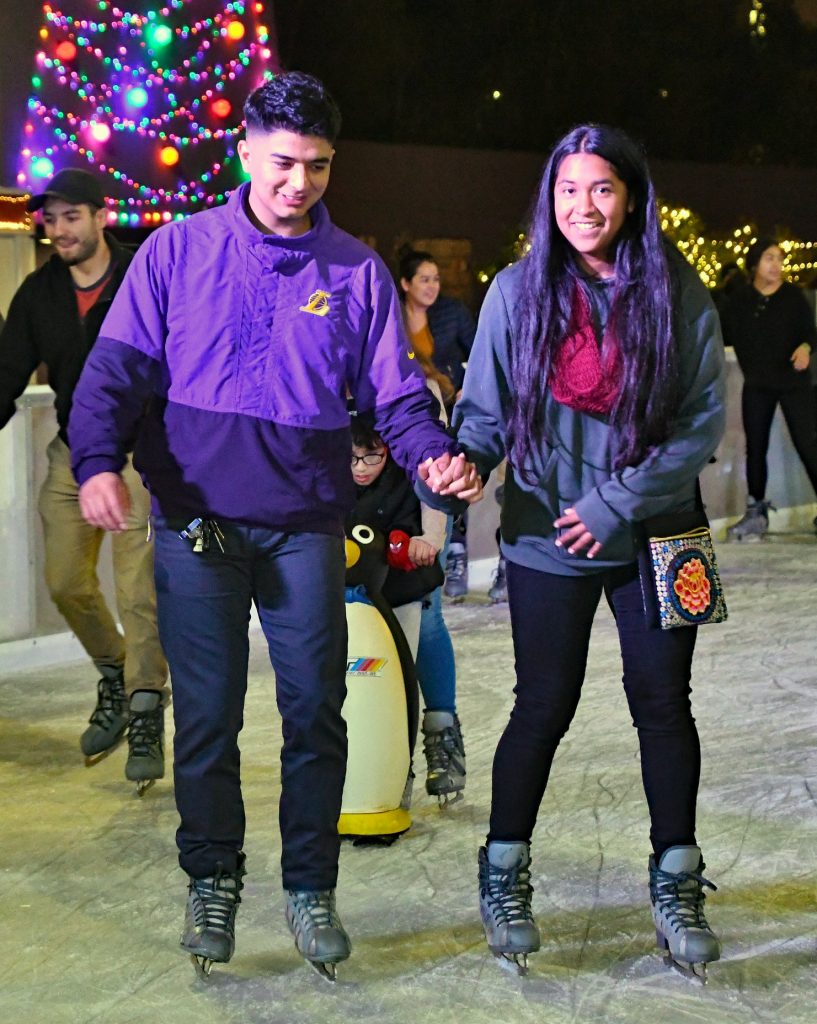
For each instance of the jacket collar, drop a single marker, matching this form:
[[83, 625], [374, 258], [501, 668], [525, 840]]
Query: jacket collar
[[250, 235]]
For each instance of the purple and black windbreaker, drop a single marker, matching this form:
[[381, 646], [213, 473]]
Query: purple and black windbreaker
[[226, 357]]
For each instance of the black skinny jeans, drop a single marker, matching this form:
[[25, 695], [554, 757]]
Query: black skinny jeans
[[758, 406], [551, 619]]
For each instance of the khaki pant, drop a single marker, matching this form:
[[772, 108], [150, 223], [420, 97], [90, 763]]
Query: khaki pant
[[71, 556]]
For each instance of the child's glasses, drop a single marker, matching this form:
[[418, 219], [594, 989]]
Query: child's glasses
[[371, 459]]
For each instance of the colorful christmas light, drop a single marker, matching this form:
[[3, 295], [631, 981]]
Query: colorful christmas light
[[149, 94]]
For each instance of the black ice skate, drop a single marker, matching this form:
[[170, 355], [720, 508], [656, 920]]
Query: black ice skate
[[498, 592], [445, 756], [677, 896], [505, 904], [456, 573], [209, 923], [146, 730], [108, 720], [755, 522], [319, 936]]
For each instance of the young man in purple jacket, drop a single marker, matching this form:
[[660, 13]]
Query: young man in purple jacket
[[231, 346]]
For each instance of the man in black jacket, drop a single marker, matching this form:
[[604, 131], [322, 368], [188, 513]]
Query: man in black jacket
[[54, 318]]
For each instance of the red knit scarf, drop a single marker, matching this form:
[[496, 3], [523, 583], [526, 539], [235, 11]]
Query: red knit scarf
[[584, 375]]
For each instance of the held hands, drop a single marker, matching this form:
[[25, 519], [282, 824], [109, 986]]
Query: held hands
[[575, 536], [104, 502], [800, 357], [452, 476]]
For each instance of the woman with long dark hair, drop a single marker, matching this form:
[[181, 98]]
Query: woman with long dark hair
[[598, 369], [771, 327]]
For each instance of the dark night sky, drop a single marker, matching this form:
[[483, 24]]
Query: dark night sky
[[687, 77]]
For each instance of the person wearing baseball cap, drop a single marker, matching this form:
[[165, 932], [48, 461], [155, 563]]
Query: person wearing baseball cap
[[54, 318], [74, 186]]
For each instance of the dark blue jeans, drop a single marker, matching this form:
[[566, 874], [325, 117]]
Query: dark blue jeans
[[551, 619], [296, 582]]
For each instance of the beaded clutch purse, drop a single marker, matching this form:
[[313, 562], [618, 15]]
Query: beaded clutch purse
[[679, 574]]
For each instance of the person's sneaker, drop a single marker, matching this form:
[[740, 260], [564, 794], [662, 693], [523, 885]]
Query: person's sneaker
[[498, 592], [456, 573], [108, 720]]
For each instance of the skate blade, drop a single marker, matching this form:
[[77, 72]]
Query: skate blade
[[143, 785], [448, 799], [202, 965], [92, 759], [329, 972], [694, 972], [513, 963]]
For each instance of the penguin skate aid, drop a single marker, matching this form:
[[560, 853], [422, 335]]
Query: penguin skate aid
[[571, 517]]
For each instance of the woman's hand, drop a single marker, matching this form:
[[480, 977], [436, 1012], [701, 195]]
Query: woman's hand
[[420, 552], [575, 536], [452, 477], [801, 356]]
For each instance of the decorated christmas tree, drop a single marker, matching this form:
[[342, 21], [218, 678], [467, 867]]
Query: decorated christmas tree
[[147, 94]]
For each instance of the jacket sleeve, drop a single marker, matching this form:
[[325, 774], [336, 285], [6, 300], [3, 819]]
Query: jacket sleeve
[[650, 488], [122, 371], [387, 382], [19, 356], [481, 415]]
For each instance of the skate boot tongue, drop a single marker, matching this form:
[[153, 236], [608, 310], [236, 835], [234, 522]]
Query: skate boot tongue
[[144, 700], [507, 856], [435, 721], [679, 859]]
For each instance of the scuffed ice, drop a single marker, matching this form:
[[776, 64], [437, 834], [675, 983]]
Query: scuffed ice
[[93, 901]]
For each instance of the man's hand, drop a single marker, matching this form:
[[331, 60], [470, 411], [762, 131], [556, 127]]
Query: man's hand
[[452, 476], [800, 357], [104, 502], [576, 536], [420, 552]]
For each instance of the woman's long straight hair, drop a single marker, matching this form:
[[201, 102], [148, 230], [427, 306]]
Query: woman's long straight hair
[[641, 315]]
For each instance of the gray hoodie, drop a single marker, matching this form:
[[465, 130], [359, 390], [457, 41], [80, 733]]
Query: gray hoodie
[[575, 469]]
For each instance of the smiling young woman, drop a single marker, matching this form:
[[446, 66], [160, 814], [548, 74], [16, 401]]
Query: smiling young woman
[[598, 370]]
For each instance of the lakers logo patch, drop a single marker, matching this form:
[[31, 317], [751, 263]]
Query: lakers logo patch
[[317, 304]]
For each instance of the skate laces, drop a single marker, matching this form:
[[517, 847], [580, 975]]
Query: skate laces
[[456, 566], [317, 906], [218, 899], [145, 731], [110, 702], [510, 891], [439, 747], [681, 896]]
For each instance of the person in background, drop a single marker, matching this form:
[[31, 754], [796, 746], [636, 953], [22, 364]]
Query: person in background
[[441, 330], [598, 370], [54, 318], [242, 328], [769, 324]]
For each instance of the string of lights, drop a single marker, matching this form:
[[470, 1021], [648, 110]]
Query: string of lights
[[147, 94], [707, 253]]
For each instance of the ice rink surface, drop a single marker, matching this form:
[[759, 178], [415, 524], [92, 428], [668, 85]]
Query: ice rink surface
[[92, 899]]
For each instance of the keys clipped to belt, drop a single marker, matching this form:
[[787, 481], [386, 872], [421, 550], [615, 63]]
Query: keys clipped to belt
[[201, 532]]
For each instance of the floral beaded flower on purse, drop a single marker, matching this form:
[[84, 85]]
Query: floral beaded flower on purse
[[679, 574]]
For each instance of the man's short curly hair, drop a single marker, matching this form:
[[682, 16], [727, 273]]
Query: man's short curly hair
[[293, 102]]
